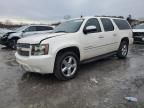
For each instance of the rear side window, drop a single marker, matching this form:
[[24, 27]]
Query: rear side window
[[122, 24], [43, 28], [93, 22], [107, 24]]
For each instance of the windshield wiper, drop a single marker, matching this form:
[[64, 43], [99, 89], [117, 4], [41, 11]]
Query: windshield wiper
[[60, 31]]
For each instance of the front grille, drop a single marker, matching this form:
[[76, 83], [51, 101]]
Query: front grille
[[23, 49], [23, 53], [138, 34], [23, 45], [137, 39]]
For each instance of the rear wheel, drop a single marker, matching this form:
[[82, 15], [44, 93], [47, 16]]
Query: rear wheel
[[123, 50], [66, 66]]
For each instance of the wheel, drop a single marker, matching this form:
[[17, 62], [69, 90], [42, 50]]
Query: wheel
[[123, 50], [66, 66], [13, 43]]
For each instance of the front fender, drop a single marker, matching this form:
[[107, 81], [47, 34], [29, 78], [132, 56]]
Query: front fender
[[14, 36], [63, 46]]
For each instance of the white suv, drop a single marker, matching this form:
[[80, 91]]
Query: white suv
[[73, 42]]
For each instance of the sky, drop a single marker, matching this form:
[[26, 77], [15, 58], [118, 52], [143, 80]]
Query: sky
[[57, 9]]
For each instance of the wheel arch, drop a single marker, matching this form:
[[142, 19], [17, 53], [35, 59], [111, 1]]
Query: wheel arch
[[74, 49], [125, 39], [15, 37]]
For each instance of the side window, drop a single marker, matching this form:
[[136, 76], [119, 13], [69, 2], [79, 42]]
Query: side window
[[107, 24], [31, 29], [122, 24], [49, 28], [43, 28], [93, 22]]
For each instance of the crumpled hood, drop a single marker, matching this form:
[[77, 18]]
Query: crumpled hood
[[7, 33], [138, 30], [35, 39], [4, 31]]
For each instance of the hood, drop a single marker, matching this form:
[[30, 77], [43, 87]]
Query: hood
[[138, 30], [35, 39], [15, 33], [5, 32]]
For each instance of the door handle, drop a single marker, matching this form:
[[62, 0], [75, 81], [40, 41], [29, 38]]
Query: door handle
[[101, 36], [114, 35]]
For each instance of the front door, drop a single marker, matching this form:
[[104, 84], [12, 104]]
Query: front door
[[94, 41]]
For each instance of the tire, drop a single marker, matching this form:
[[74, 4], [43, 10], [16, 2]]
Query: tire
[[123, 50], [66, 66], [13, 43]]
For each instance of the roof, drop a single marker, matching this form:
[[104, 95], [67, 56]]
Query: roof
[[87, 17]]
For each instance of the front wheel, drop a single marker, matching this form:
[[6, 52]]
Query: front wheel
[[123, 50], [13, 43], [66, 66]]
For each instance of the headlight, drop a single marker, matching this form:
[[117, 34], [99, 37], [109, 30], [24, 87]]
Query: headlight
[[40, 49]]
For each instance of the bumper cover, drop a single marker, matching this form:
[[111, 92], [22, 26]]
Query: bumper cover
[[38, 64], [139, 39]]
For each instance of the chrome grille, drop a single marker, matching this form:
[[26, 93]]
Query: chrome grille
[[138, 34], [23, 45], [23, 49], [23, 53]]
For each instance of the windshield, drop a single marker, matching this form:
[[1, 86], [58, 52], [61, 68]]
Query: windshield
[[69, 26], [139, 26], [20, 29]]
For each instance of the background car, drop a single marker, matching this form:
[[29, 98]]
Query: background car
[[138, 33], [4, 31], [10, 39]]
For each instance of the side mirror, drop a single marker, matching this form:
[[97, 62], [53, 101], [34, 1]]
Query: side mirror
[[90, 29]]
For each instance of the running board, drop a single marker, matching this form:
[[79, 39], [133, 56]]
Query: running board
[[98, 57]]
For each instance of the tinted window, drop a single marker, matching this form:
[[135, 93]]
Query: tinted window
[[122, 24], [31, 29], [108, 26], [93, 22], [43, 28]]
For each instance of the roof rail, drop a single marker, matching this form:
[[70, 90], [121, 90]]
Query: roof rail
[[111, 16]]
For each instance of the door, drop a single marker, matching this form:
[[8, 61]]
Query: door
[[110, 35], [94, 40]]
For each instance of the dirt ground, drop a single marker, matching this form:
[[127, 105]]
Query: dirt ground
[[101, 84]]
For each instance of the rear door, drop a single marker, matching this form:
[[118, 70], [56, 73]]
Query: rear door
[[109, 34]]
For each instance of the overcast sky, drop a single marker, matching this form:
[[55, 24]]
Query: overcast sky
[[57, 9]]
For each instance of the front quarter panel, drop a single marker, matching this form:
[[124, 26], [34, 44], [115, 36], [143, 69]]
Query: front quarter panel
[[60, 42], [18, 35]]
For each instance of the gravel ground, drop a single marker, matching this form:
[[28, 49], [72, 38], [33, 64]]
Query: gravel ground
[[101, 84]]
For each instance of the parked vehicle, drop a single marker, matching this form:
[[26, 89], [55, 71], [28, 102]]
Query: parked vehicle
[[138, 33], [10, 38], [73, 42], [3, 31]]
